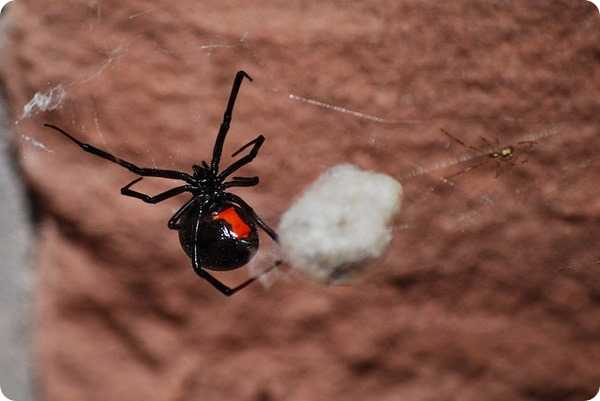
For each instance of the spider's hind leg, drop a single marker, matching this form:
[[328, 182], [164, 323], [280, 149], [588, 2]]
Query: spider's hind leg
[[222, 288], [248, 209]]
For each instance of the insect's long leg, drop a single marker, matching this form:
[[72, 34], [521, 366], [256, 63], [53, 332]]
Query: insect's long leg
[[225, 290], [489, 144], [146, 172], [528, 144], [459, 141], [156, 198], [173, 223], [236, 199], [241, 182], [468, 169], [218, 149], [256, 143], [499, 169]]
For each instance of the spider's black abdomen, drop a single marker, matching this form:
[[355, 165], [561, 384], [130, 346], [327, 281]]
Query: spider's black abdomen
[[226, 237]]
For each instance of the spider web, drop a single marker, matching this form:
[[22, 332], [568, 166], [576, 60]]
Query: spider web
[[424, 157], [378, 131], [546, 204]]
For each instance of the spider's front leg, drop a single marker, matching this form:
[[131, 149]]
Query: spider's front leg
[[223, 289], [218, 148], [459, 141], [143, 171], [241, 182], [528, 144], [256, 143]]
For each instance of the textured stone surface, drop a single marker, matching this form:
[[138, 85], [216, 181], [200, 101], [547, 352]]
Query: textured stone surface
[[491, 288]]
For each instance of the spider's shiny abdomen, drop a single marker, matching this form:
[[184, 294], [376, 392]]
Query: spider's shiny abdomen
[[226, 237]]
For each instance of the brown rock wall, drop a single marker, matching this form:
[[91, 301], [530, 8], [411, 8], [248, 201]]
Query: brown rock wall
[[490, 291]]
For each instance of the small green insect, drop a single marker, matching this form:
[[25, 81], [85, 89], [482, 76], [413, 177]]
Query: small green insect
[[501, 155]]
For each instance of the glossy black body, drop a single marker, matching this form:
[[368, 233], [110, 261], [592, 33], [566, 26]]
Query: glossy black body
[[210, 243], [217, 244]]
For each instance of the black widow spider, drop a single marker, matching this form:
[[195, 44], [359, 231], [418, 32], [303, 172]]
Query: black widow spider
[[217, 229]]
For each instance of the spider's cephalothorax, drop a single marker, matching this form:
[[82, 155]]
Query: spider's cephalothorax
[[217, 229], [504, 153]]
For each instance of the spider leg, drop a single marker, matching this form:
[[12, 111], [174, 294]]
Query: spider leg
[[218, 149], [489, 144], [520, 160], [252, 142], [236, 199], [222, 287], [256, 143], [499, 169], [145, 172], [241, 182], [173, 223], [156, 198], [459, 141], [225, 290], [528, 144], [246, 179], [467, 169]]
